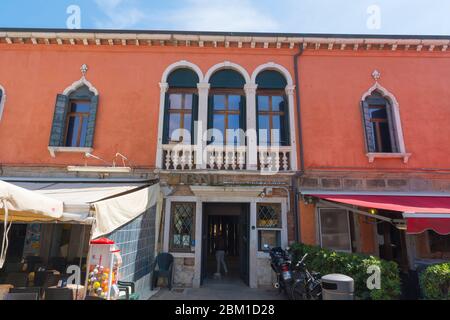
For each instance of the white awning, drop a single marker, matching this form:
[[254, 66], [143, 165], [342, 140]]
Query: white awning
[[25, 205], [114, 204]]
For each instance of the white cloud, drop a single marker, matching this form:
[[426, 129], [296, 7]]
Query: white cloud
[[118, 15], [221, 15]]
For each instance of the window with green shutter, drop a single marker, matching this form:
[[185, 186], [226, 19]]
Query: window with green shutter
[[74, 119], [272, 110], [227, 108], [380, 131], [181, 107]]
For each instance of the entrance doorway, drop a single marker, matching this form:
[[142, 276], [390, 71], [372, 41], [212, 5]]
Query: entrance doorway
[[228, 225], [392, 247]]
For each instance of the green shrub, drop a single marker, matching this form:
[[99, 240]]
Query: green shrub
[[435, 282], [354, 266]]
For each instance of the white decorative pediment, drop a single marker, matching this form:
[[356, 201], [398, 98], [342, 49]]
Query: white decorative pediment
[[80, 83], [377, 87]]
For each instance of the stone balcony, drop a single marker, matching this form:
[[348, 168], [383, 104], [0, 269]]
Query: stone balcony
[[227, 158]]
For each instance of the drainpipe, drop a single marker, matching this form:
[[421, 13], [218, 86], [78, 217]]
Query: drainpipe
[[299, 142]]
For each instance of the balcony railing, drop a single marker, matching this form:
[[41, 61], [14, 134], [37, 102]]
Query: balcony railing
[[224, 158]]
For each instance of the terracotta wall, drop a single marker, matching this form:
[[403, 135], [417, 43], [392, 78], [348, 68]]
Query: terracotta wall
[[127, 79], [332, 85]]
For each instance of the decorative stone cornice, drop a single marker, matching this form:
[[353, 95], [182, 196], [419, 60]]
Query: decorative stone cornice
[[224, 40]]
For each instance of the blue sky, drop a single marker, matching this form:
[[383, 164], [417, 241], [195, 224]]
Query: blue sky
[[419, 17]]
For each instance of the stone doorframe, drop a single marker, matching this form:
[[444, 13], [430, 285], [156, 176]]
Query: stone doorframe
[[254, 254]]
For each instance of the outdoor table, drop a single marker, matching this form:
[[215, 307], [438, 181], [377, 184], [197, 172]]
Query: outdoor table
[[77, 295], [4, 290]]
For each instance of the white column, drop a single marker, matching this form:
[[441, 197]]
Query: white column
[[253, 247], [290, 90], [252, 141], [203, 93], [198, 243], [159, 152]]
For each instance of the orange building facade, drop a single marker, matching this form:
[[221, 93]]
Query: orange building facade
[[343, 116]]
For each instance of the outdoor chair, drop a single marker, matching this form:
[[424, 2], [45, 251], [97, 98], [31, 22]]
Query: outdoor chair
[[13, 267], [36, 290], [58, 264], [40, 278], [162, 267], [130, 290], [52, 280], [33, 263], [22, 296], [58, 294], [17, 279]]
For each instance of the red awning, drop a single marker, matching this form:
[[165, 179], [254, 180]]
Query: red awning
[[422, 213]]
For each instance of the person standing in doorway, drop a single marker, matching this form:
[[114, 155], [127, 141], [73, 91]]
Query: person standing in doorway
[[221, 248]]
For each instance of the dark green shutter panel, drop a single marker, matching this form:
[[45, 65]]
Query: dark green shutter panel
[[227, 79], [91, 122], [194, 118], [257, 120], [183, 78], [368, 128], [285, 130], [210, 114], [243, 117], [166, 119], [59, 121], [392, 128], [271, 80]]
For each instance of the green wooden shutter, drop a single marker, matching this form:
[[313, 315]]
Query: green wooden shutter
[[194, 118], [368, 129], [166, 138], [243, 117], [91, 122], [210, 114], [59, 121], [257, 120], [286, 130], [392, 128]]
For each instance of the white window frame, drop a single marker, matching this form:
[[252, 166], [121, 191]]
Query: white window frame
[[2, 101], [319, 228], [395, 111], [279, 229]]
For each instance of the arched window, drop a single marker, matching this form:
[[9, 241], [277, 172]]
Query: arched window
[[181, 109], [272, 109], [380, 128], [74, 118], [226, 112]]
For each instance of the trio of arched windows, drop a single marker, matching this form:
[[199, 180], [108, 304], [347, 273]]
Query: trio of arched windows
[[227, 108]]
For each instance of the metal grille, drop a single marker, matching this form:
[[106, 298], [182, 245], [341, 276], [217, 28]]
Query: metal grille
[[269, 216], [182, 226]]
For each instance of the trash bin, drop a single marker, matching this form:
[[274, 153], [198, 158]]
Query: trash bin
[[338, 287]]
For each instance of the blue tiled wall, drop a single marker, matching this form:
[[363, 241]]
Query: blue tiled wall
[[136, 241]]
